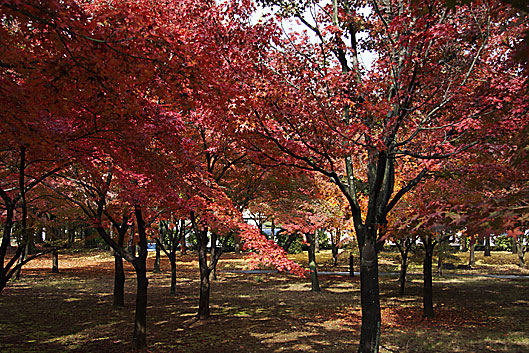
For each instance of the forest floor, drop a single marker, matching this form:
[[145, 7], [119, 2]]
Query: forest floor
[[72, 311]]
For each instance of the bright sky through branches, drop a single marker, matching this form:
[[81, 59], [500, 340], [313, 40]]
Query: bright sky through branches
[[292, 25]]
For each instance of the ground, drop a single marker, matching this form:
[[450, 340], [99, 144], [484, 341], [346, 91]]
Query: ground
[[72, 311]]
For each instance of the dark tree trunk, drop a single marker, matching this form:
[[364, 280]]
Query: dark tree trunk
[[6, 239], [157, 260], [55, 261], [140, 317], [71, 238], [463, 245], [86, 238], [237, 240], [173, 237], [140, 265], [369, 290], [30, 248], [183, 248], [427, 272], [289, 241], [213, 255], [402, 274], [119, 281], [334, 251], [440, 265], [472, 255], [25, 236], [20, 259], [487, 246], [9, 270], [131, 246], [27, 249], [315, 284], [172, 260], [203, 304], [520, 252], [119, 271], [514, 246], [334, 248], [404, 246]]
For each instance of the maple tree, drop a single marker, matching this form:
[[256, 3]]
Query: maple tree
[[480, 195], [403, 236], [429, 96], [223, 151], [300, 214], [172, 233], [103, 84], [23, 167], [427, 219], [122, 77], [113, 88], [303, 206]]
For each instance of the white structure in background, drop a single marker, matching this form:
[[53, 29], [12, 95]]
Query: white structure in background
[[260, 222]]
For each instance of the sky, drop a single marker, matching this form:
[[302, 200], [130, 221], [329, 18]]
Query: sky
[[366, 57]]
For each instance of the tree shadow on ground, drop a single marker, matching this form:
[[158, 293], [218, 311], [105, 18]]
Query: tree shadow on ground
[[72, 311]]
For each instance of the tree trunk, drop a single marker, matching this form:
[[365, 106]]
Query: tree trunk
[[289, 241], [463, 245], [403, 269], [334, 248], [6, 240], [439, 266], [183, 248], [370, 297], [213, 255], [472, 255], [55, 261], [487, 246], [157, 260], [334, 251], [140, 265], [119, 281], [203, 304], [172, 260], [520, 252], [514, 246], [20, 259], [86, 238], [140, 318], [25, 236], [237, 240], [315, 284], [71, 238], [427, 272], [316, 241], [131, 246], [30, 248], [119, 271], [402, 274]]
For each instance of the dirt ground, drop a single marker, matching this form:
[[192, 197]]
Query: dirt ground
[[72, 311]]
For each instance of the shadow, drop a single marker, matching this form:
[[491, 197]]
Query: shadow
[[72, 312]]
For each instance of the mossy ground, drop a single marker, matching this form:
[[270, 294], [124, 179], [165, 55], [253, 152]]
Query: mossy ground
[[72, 311]]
